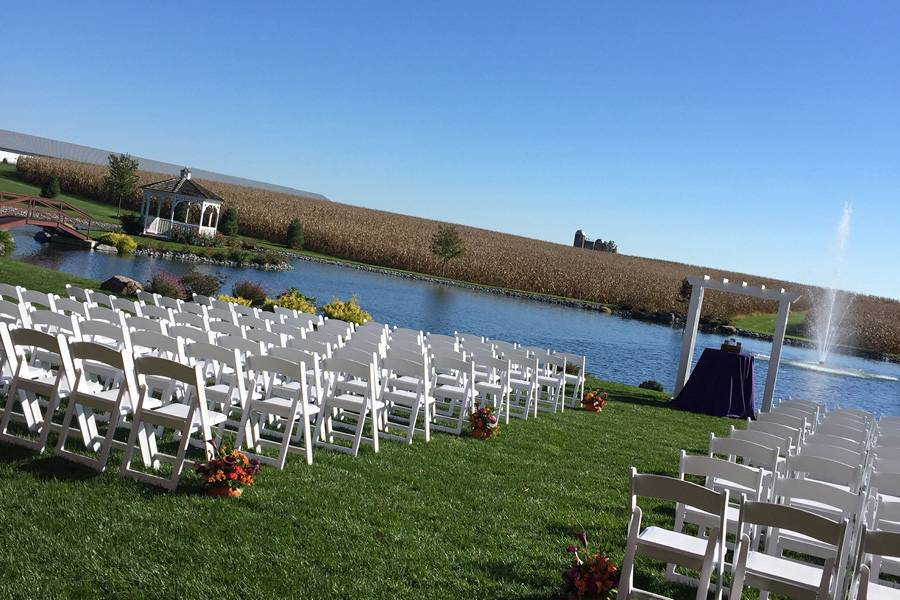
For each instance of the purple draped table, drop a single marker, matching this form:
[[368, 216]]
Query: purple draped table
[[721, 384]]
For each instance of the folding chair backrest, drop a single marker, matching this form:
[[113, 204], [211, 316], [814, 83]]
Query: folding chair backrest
[[782, 431], [323, 349], [12, 293], [202, 300], [289, 331], [272, 365], [160, 313], [341, 366], [55, 344], [824, 469], [72, 307], [189, 334], [849, 457], [783, 418], [662, 487], [120, 360], [249, 311], [402, 367], [191, 319], [127, 306], [226, 328], [13, 313], [35, 300], [717, 471], [148, 343], [244, 346], [193, 308], [75, 293], [850, 504], [842, 429], [54, 322], [250, 322], [145, 324], [837, 441], [763, 438], [96, 298], [221, 314], [789, 518], [267, 338], [750, 453], [101, 313], [147, 298], [106, 334], [166, 302]]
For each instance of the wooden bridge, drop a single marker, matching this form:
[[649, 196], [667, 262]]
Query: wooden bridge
[[54, 216]]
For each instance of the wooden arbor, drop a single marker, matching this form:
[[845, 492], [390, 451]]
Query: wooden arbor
[[689, 340]]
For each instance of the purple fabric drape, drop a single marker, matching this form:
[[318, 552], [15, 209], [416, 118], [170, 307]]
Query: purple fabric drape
[[721, 384]]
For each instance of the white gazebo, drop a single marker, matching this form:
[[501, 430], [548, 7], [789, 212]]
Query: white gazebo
[[201, 212], [698, 286]]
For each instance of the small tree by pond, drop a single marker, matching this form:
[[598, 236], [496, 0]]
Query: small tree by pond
[[447, 244], [228, 224], [50, 189], [122, 179], [295, 235]]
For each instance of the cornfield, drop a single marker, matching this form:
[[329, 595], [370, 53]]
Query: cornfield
[[491, 258]]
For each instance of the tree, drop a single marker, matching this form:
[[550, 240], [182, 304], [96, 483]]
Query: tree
[[295, 235], [447, 244], [50, 189], [228, 224], [122, 180]]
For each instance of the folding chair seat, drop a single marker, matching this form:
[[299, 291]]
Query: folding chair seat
[[454, 394], [770, 572], [866, 581], [113, 396], [150, 344], [72, 307], [688, 551], [186, 418], [495, 388], [75, 293], [404, 407], [345, 413], [37, 386]]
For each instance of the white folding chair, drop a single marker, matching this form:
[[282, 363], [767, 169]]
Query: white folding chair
[[224, 378], [403, 407], [76, 293], [292, 410], [688, 551], [345, 411], [866, 581], [495, 389], [454, 394], [113, 396], [551, 381], [187, 417], [36, 386], [769, 572]]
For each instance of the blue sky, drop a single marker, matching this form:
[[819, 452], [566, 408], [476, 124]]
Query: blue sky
[[720, 134]]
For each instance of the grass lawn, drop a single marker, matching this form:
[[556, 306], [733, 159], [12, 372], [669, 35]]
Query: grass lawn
[[765, 323], [453, 518], [97, 210], [16, 272]]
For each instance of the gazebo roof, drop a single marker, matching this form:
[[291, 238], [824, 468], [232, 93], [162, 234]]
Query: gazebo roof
[[184, 186]]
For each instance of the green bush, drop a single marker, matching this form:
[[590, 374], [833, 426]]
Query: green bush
[[346, 310], [651, 384], [50, 189], [294, 238], [7, 243], [228, 222], [122, 242], [132, 224], [294, 300], [251, 290], [195, 282]]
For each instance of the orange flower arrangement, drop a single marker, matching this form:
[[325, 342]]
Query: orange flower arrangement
[[228, 472], [594, 401], [591, 576]]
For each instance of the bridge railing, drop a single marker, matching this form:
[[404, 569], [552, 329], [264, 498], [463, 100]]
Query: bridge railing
[[47, 210]]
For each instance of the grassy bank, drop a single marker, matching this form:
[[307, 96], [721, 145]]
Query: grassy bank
[[16, 272], [450, 519], [765, 323]]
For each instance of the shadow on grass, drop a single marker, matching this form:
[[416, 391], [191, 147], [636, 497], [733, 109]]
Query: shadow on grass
[[54, 467], [640, 400], [513, 572]]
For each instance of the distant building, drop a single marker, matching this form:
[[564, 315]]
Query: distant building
[[581, 241]]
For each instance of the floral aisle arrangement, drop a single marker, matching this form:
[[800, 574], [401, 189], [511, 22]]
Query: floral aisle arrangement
[[591, 576], [484, 423], [228, 472], [594, 400]]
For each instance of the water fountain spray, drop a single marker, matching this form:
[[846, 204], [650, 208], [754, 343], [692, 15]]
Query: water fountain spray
[[830, 312]]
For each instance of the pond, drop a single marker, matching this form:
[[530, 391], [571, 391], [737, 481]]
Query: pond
[[617, 349]]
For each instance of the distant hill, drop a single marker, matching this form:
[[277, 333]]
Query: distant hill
[[31, 145]]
